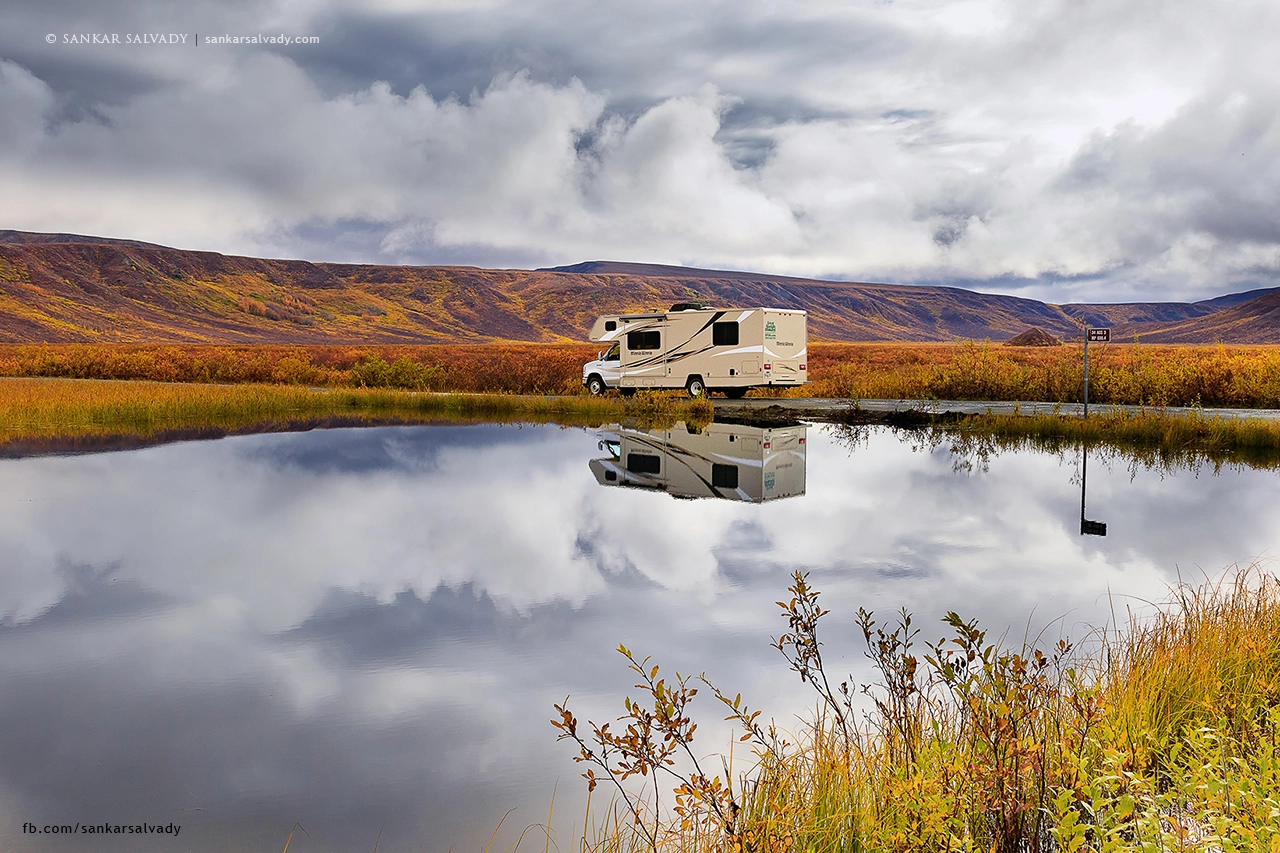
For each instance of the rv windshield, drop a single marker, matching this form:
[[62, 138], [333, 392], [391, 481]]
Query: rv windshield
[[613, 353]]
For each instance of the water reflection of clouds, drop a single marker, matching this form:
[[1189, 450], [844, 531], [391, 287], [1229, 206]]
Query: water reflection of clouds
[[354, 625]]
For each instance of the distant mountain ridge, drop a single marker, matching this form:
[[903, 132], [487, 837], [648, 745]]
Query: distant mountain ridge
[[66, 287], [32, 237], [1256, 321]]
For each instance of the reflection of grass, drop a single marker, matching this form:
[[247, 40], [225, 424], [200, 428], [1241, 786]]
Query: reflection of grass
[[1158, 735], [1150, 435], [1152, 428], [35, 409]]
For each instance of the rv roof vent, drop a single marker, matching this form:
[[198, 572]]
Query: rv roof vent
[[690, 306]]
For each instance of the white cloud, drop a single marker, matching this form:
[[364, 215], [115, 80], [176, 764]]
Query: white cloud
[[909, 141]]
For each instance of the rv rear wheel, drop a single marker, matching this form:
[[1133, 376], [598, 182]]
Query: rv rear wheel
[[595, 385], [696, 387]]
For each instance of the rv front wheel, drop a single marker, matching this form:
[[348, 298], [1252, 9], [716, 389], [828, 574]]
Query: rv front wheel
[[696, 387], [596, 386]]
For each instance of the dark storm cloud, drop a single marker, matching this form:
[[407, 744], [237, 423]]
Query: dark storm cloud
[[647, 52], [407, 53], [1070, 151]]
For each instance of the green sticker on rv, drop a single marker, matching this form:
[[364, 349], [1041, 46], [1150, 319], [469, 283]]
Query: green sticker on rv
[[770, 331]]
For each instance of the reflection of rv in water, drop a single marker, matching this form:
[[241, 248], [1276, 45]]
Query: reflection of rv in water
[[740, 463]]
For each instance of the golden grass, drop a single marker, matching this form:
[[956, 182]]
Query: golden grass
[[1158, 734], [1211, 654], [476, 368], [34, 409], [1131, 374]]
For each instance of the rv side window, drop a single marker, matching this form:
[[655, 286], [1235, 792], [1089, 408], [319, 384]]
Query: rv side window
[[644, 340], [644, 463], [610, 325], [724, 334], [724, 476]]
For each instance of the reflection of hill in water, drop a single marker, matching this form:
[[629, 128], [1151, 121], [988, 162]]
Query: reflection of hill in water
[[729, 461]]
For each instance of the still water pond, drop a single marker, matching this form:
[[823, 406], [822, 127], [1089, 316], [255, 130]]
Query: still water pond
[[364, 630]]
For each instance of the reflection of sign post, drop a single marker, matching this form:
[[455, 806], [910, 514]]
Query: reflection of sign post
[[1101, 336], [1092, 528], [1087, 527]]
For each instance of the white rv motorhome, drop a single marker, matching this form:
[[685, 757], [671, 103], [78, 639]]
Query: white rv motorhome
[[740, 463], [700, 349]]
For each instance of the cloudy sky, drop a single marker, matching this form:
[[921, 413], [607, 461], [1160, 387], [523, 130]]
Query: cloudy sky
[[1062, 150]]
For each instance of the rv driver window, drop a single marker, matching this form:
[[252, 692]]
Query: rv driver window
[[613, 353]]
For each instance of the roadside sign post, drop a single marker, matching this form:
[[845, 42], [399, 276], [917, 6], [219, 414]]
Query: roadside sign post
[[1101, 336]]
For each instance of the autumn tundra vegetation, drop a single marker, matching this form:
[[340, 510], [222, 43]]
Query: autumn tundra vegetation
[[1136, 374], [1159, 734]]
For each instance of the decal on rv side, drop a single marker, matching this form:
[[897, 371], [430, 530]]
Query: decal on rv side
[[753, 350]]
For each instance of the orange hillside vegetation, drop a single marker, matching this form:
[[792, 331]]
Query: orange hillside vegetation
[[60, 288]]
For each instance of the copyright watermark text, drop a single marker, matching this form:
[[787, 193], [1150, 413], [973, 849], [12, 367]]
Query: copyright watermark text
[[178, 38], [101, 829]]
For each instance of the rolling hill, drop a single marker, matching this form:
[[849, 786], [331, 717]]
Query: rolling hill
[[66, 288], [1256, 321]]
